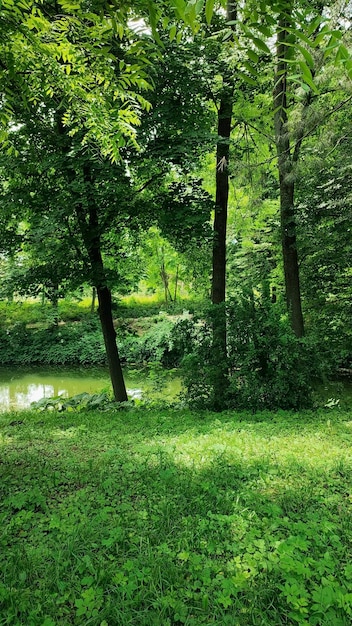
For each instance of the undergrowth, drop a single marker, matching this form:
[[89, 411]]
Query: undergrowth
[[165, 518], [82, 343]]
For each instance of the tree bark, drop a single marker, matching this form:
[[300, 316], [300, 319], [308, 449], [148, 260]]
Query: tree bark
[[94, 294], [287, 184], [176, 283], [218, 290], [91, 237], [222, 194], [88, 222], [218, 286], [107, 325]]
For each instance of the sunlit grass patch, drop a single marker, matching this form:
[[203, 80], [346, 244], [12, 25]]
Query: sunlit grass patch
[[157, 517]]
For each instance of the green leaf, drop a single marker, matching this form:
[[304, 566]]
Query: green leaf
[[209, 10], [301, 36], [308, 57], [153, 18], [250, 68], [321, 36], [342, 53], [261, 45], [263, 29], [314, 25], [180, 7], [172, 32], [246, 78], [307, 76], [253, 55]]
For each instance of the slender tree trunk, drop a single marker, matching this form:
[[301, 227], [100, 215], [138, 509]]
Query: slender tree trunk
[[222, 194], [107, 325], [87, 217], [94, 294], [91, 236], [218, 288], [218, 293], [176, 284], [287, 184], [165, 280], [55, 302]]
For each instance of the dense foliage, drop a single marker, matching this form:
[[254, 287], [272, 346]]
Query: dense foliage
[[126, 130], [157, 339], [267, 366]]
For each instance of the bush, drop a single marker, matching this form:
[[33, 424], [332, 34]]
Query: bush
[[138, 307], [38, 314], [82, 343], [164, 342], [268, 367], [75, 344]]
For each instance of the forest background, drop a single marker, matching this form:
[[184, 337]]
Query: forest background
[[187, 165], [196, 151]]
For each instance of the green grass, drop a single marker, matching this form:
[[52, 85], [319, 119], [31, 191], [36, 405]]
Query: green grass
[[35, 314], [164, 517]]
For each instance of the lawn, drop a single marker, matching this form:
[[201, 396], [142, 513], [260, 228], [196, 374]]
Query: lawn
[[167, 517]]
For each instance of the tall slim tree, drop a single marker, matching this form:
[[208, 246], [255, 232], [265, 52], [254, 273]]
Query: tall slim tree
[[218, 285], [286, 164]]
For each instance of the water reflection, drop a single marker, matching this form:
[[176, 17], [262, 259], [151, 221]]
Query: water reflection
[[18, 388], [19, 395]]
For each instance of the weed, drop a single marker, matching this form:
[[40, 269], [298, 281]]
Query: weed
[[167, 517]]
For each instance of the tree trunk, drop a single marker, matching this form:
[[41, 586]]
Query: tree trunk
[[222, 194], [53, 293], [218, 287], [107, 325], [290, 257], [287, 184], [218, 290], [92, 306], [89, 226], [88, 222], [176, 283], [165, 280]]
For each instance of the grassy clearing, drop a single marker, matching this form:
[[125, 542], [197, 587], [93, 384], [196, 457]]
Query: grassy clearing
[[165, 517]]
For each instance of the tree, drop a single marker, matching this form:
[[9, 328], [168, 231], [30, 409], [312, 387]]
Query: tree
[[286, 164], [299, 28], [74, 208], [91, 68], [218, 286], [324, 219]]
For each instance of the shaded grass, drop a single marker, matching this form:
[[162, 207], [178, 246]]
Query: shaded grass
[[169, 517]]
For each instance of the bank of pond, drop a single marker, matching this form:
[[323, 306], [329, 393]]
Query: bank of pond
[[21, 388], [266, 367]]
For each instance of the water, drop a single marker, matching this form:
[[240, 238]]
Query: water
[[19, 387]]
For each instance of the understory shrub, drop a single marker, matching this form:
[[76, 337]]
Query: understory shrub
[[132, 307], [165, 342], [267, 366], [80, 343]]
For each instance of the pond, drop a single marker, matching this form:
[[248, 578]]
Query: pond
[[19, 387]]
